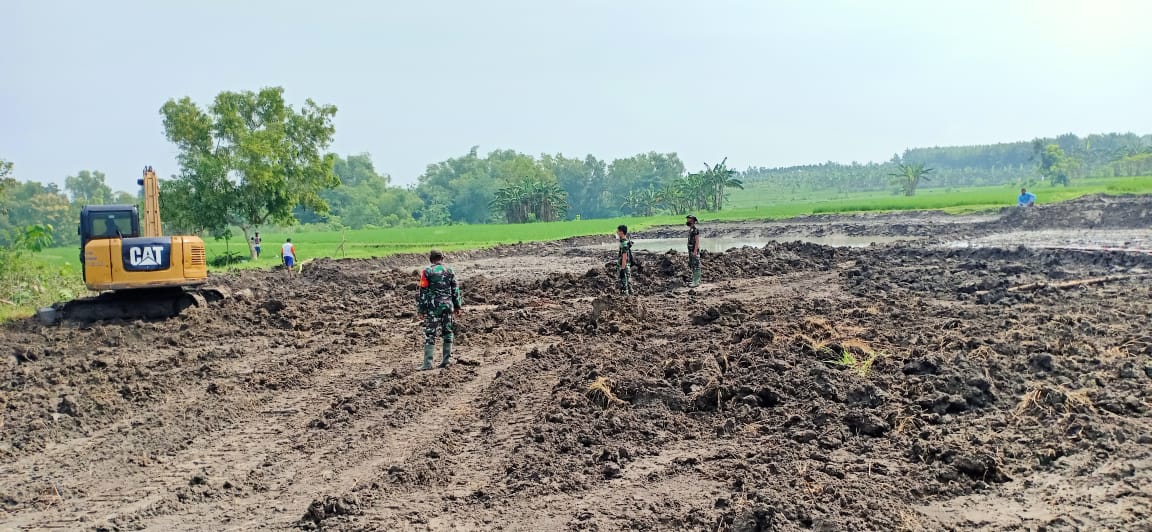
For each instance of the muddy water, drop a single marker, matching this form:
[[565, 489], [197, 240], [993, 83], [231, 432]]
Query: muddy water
[[1138, 240], [716, 245]]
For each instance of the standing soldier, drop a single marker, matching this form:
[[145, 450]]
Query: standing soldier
[[438, 301], [693, 249], [624, 260]]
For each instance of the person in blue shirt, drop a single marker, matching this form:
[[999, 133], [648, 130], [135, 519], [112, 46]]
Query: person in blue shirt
[[1026, 199]]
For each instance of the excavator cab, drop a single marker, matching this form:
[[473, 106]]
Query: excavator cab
[[109, 221], [106, 221]]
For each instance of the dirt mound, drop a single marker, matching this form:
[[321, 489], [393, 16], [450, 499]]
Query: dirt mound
[[802, 387], [1089, 212]]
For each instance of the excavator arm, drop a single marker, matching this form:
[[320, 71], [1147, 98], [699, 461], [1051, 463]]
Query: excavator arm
[[151, 202]]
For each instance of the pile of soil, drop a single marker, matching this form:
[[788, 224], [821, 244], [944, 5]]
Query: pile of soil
[[901, 387]]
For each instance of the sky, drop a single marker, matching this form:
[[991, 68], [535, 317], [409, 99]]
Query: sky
[[763, 83]]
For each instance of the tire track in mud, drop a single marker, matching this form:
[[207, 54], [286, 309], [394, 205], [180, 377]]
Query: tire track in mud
[[129, 447], [264, 456], [457, 431], [189, 446], [310, 466]]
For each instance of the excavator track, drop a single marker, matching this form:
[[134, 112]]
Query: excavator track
[[138, 304]]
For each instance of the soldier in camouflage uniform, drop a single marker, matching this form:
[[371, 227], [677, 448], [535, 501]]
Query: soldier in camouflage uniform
[[624, 260], [693, 249], [439, 301]]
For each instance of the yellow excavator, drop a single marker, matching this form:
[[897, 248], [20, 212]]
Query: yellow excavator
[[142, 274]]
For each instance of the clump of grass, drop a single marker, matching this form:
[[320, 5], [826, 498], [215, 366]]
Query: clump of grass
[[848, 352], [861, 364], [839, 342], [600, 392]]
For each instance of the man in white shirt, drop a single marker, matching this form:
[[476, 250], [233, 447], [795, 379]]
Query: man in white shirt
[[288, 254]]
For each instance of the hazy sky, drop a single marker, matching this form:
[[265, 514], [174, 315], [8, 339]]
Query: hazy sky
[[762, 82]]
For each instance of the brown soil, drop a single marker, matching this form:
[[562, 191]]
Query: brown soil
[[906, 386]]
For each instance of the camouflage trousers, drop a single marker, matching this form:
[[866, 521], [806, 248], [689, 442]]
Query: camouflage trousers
[[625, 281], [439, 320], [694, 262]]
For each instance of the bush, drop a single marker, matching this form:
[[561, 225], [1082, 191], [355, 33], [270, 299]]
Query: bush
[[26, 282], [226, 259]]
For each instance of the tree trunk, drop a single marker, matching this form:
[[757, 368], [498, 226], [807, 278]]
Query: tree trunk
[[248, 240]]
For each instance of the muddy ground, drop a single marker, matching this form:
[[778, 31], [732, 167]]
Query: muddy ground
[[959, 380]]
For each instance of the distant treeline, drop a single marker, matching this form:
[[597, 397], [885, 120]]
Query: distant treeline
[[508, 186], [24, 203], [1107, 155]]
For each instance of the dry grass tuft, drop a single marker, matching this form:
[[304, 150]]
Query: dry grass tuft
[[1044, 400], [910, 522], [983, 352], [843, 344], [600, 392]]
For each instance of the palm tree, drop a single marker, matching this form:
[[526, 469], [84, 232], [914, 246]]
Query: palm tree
[[509, 201], [909, 177], [694, 189], [530, 200], [717, 179], [650, 200], [643, 202], [632, 202], [672, 197], [547, 200]]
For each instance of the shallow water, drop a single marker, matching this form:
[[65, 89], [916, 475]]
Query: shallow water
[[719, 244], [1139, 240]]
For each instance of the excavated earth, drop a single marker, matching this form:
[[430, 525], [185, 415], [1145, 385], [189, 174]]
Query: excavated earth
[[962, 379]]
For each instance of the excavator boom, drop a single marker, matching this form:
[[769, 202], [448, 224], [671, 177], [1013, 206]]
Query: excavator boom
[[151, 202]]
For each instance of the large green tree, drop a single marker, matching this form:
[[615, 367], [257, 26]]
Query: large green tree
[[585, 182], [643, 171], [88, 188], [30, 203], [463, 188], [365, 198], [1055, 165], [124, 198], [247, 160]]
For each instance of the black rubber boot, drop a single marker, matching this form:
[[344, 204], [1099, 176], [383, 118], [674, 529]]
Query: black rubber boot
[[429, 350], [447, 354]]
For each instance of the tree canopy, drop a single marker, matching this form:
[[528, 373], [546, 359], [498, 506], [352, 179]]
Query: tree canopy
[[88, 188], [247, 160], [1056, 165], [364, 198], [962, 166]]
